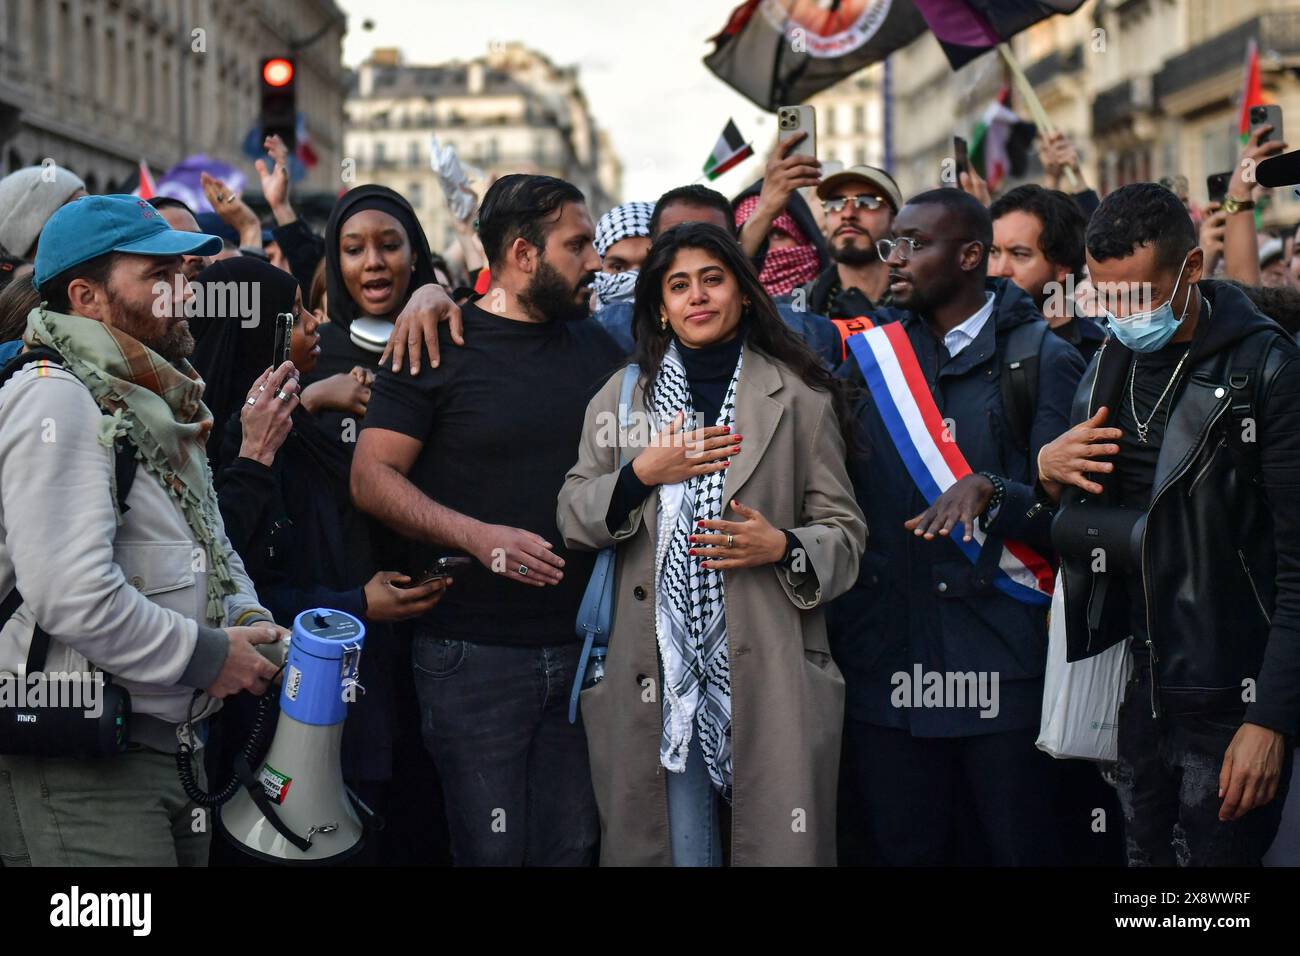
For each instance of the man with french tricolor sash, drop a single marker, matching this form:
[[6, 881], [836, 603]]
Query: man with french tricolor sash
[[943, 639]]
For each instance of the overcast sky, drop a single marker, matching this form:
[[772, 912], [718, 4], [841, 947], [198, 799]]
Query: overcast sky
[[639, 63]]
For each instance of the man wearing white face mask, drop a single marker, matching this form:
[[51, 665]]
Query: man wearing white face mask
[[1180, 528]]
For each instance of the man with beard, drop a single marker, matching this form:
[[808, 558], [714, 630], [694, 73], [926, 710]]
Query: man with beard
[[122, 559], [1038, 245], [468, 458], [859, 203]]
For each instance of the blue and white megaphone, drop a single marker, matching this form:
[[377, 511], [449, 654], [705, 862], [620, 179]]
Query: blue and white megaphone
[[294, 807]]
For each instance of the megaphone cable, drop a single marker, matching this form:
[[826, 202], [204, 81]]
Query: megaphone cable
[[252, 751]]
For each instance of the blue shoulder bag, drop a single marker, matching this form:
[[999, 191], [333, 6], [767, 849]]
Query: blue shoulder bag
[[597, 608]]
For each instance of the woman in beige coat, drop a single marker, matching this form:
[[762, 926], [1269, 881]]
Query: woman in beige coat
[[720, 710]]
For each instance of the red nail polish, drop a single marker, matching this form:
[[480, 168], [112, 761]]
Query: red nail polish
[[691, 551]]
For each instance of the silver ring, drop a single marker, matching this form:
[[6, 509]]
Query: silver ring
[[252, 400], [523, 569], [282, 395], [730, 541]]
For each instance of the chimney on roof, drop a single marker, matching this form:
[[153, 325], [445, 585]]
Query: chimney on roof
[[474, 76]]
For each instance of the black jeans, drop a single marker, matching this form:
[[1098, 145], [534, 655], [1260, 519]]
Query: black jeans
[[1168, 779], [514, 770]]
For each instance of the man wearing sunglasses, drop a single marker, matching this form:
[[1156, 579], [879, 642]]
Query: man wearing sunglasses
[[938, 773], [859, 205]]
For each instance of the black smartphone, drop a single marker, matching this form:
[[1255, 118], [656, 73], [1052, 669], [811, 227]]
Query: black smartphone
[[962, 156], [1270, 115], [442, 568], [283, 339], [1216, 184]]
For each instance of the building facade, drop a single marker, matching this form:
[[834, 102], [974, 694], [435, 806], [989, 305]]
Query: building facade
[[98, 85], [850, 120], [509, 111], [1144, 88]]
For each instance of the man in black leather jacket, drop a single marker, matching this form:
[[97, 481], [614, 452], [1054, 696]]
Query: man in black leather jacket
[[1180, 528]]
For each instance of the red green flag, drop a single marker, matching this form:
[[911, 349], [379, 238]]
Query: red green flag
[[1252, 93]]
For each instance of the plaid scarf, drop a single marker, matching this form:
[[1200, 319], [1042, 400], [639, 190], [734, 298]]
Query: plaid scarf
[[783, 270], [158, 406], [690, 613]]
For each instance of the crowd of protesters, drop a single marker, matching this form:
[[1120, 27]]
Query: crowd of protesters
[[786, 557]]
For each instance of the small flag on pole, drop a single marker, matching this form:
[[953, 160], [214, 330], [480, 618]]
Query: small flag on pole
[[999, 141], [730, 150], [1252, 93], [146, 189]]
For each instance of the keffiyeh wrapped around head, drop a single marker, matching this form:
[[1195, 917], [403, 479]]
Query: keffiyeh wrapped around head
[[786, 269], [630, 220]]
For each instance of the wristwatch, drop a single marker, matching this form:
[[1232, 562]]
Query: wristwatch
[[1232, 204], [995, 500]]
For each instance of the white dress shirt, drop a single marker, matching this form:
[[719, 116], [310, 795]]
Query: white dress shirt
[[958, 337]]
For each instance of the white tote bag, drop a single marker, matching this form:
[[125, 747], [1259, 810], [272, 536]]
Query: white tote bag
[[1081, 700]]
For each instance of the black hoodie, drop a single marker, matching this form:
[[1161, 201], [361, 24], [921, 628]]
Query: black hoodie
[[1220, 553]]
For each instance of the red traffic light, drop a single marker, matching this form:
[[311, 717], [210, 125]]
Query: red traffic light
[[277, 72]]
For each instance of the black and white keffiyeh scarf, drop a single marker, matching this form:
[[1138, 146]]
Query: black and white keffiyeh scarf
[[690, 620]]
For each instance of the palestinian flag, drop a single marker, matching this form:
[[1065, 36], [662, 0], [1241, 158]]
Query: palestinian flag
[[1252, 94], [1000, 142], [730, 150], [968, 28]]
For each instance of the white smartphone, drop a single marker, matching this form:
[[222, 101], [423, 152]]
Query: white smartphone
[[792, 120]]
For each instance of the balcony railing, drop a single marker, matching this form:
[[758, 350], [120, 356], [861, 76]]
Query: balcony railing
[[1274, 32], [1054, 64]]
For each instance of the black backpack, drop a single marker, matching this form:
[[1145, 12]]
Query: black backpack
[[1245, 376], [1018, 380]]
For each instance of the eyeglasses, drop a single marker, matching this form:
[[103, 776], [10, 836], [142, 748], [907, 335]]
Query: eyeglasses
[[907, 246], [859, 202]]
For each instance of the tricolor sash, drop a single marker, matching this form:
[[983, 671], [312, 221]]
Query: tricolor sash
[[931, 456]]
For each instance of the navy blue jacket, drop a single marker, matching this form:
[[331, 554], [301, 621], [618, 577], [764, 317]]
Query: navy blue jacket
[[817, 331], [1084, 334], [915, 601]]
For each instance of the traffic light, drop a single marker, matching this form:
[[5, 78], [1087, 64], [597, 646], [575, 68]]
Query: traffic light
[[279, 98]]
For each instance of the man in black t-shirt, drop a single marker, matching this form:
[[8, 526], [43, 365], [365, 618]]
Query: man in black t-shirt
[[469, 456]]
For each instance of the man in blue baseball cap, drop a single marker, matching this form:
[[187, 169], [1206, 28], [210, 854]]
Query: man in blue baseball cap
[[108, 258], [111, 528]]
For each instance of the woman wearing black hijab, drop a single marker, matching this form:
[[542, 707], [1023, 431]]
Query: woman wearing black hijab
[[376, 254], [284, 497]]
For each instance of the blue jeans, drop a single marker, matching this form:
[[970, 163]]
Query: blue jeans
[[514, 770], [693, 823]]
